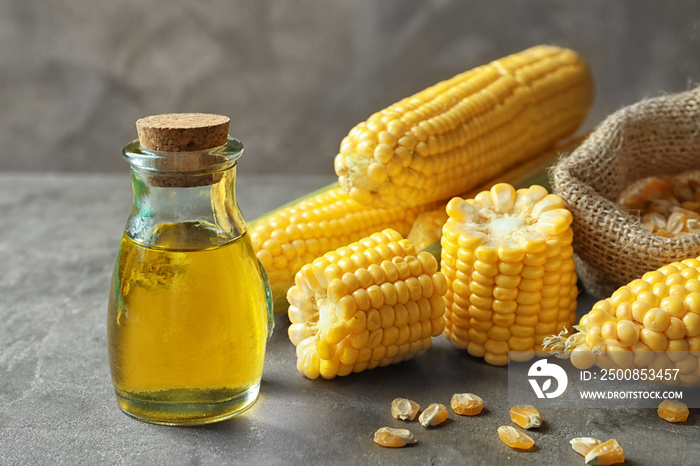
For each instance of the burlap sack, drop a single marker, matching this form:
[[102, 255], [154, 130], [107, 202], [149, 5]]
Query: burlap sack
[[655, 137]]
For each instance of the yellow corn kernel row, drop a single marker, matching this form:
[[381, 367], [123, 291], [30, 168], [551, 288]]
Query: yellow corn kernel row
[[507, 258], [372, 303], [561, 87], [652, 322], [297, 234], [463, 131]]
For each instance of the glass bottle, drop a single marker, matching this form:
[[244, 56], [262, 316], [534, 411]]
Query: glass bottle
[[189, 309]]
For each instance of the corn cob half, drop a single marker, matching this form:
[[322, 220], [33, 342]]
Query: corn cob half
[[652, 322], [507, 258], [460, 132], [372, 303]]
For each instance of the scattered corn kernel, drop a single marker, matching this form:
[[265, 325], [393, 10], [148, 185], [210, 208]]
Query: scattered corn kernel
[[466, 404], [404, 409], [515, 438], [433, 415], [393, 438], [673, 411], [507, 258], [606, 453], [525, 416], [583, 445]]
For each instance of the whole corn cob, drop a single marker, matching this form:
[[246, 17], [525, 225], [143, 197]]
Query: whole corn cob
[[460, 132], [292, 236], [507, 257], [652, 322], [372, 303]]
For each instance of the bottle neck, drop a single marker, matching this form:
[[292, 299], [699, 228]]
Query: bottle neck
[[184, 200], [185, 218]]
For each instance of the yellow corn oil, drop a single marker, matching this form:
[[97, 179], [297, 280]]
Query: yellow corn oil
[[190, 310], [186, 335]]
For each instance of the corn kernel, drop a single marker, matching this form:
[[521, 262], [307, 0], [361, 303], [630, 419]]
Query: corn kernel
[[433, 415], [525, 416], [673, 411], [583, 445], [515, 438], [466, 404], [404, 409], [656, 319], [606, 453], [393, 438]]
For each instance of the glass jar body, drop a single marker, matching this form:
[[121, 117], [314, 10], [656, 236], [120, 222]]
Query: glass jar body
[[189, 311]]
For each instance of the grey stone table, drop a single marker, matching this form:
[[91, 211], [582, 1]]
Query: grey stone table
[[58, 240]]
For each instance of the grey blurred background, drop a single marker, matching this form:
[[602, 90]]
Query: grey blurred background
[[294, 76]]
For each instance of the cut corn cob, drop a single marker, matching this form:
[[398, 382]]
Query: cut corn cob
[[507, 258], [460, 132], [651, 322], [372, 303], [292, 236]]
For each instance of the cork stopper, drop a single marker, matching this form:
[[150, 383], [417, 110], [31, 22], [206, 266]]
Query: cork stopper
[[181, 133]]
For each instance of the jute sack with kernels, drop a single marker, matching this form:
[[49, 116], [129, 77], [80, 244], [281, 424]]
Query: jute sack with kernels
[[507, 258], [655, 137]]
